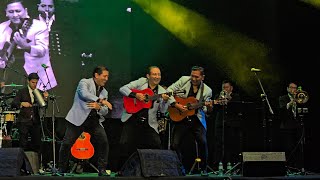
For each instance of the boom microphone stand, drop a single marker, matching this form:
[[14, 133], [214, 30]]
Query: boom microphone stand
[[266, 123]]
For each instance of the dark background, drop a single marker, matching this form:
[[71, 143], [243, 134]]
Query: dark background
[[130, 42]]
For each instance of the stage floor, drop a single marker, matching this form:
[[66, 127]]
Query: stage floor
[[85, 176], [113, 175]]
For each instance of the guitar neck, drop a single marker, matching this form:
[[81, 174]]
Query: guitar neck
[[157, 96], [11, 48]]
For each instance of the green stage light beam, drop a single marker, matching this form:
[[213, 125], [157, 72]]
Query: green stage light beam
[[315, 3], [233, 53]]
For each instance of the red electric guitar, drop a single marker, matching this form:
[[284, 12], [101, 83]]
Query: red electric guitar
[[82, 148], [133, 105]]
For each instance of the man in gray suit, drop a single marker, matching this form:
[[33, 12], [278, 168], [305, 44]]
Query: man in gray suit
[[194, 87], [89, 107], [140, 129]]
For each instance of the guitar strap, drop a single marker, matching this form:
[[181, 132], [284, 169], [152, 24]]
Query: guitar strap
[[202, 89]]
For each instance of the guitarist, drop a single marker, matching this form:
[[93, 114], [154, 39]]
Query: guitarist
[[194, 87], [140, 130], [30, 42]]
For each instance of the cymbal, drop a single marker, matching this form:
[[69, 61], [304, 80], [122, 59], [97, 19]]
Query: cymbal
[[13, 85]]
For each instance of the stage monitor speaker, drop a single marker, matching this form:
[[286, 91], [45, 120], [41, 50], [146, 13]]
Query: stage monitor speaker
[[152, 163], [33, 158], [14, 162], [263, 164]]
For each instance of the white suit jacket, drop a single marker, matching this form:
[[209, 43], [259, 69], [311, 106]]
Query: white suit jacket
[[39, 54]]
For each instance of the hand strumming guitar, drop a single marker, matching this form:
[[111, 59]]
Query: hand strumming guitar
[[181, 107], [21, 41], [140, 96]]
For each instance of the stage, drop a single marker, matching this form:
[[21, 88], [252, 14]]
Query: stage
[[85, 176]]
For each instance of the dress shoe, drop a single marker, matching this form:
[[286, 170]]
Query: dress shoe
[[103, 172]]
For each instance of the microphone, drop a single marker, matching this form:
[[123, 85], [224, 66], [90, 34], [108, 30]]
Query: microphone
[[47, 17], [39, 98], [45, 66], [255, 70]]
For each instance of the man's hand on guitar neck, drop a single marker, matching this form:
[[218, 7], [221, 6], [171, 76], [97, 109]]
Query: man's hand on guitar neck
[[165, 97]]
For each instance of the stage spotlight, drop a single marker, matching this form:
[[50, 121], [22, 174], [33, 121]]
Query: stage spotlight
[[315, 3], [231, 52]]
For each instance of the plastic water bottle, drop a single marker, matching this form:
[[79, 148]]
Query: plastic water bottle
[[229, 166], [220, 169]]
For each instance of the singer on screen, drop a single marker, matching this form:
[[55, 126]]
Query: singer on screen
[[30, 39]]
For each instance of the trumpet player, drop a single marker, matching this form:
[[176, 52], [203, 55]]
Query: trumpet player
[[289, 126], [46, 12], [227, 132]]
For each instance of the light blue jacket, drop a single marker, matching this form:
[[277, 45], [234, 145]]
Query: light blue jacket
[[141, 84], [184, 83], [86, 92]]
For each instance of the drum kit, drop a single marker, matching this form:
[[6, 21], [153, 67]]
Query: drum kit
[[8, 114]]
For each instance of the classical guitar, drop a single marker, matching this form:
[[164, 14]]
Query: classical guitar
[[8, 47], [191, 103], [133, 105], [82, 148]]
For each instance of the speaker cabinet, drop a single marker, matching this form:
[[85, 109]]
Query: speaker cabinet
[[14, 162], [33, 158], [263, 164], [152, 163]]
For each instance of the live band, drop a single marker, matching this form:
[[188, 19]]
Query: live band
[[149, 109]]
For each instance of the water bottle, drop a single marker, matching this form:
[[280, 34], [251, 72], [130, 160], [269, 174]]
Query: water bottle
[[220, 169], [229, 166]]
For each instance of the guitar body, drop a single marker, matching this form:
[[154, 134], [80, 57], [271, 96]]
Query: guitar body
[[133, 105], [176, 115], [82, 148]]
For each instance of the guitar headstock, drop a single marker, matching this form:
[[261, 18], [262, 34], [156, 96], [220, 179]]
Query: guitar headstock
[[176, 92], [25, 26]]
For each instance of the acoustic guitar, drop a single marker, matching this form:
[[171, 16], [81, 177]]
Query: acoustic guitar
[[133, 105], [8, 47], [191, 103], [82, 148]]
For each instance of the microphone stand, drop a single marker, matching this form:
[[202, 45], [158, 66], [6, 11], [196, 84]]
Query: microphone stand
[[266, 124], [53, 98], [54, 105]]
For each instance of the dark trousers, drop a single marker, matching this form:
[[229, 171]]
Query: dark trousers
[[98, 135], [290, 143], [137, 134], [34, 130], [196, 128]]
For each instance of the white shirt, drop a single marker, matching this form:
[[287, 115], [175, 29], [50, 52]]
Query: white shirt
[[48, 22], [31, 94]]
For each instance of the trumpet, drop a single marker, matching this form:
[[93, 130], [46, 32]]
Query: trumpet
[[301, 96], [224, 98]]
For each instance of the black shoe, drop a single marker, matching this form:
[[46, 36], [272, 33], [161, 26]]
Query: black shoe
[[103, 172], [204, 173]]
